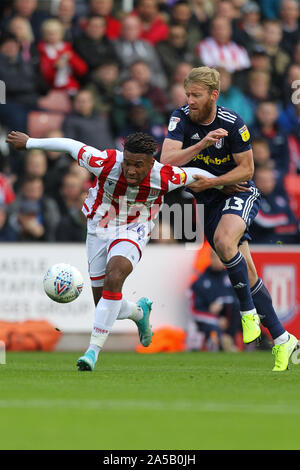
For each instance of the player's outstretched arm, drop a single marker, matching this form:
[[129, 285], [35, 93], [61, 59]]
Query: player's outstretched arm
[[19, 140]]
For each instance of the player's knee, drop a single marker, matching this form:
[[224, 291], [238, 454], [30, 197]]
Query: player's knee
[[114, 280], [224, 247]]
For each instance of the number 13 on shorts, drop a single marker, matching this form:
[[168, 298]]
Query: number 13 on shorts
[[236, 203]]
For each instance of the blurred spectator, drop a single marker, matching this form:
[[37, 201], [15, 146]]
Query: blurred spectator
[[139, 120], [22, 30], [226, 9], [289, 117], [104, 8], [141, 72], [35, 165], [177, 97], [130, 48], [34, 216], [268, 127], [289, 15], [154, 28], [203, 11], [21, 85], [72, 226], [7, 233], [103, 83], [261, 153], [218, 50], [7, 195], [292, 80], [28, 9], [275, 221], [248, 30], [270, 8], [92, 45], [180, 72], [260, 60], [131, 95], [58, 165], [259, 84], [231, 97], [182, 15], [296, 54], [60, 65], [214, 307], [85, 125], [279, 59], [175, 49], [86, 178], [66, 14]]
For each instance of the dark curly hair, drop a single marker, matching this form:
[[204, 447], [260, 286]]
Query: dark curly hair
[[140, 143]]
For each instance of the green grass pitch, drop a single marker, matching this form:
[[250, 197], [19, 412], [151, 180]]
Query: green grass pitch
[[160, 402]]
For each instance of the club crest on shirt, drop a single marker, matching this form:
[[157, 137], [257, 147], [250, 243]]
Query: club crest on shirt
[[244, 133], [173, 123], [219, 144]]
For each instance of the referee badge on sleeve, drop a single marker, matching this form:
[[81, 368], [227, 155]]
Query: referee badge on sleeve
[[173, 123], [244, 133]]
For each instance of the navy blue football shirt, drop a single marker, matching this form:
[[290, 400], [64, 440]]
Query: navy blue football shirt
[[217, 158]]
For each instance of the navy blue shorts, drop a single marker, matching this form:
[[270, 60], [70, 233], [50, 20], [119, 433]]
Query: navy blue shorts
[[245, 204]]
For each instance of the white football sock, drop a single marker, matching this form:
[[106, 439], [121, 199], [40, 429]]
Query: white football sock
[[106, 313], [282, 338], [130, 310]]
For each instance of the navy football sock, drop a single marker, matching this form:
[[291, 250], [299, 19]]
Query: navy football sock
[[264, 306], [238, 274]]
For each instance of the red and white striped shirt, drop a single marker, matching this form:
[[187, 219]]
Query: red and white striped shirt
[[231, 56], [111, 201]]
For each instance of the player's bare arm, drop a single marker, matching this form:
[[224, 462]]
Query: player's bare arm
[[173, 153], [241, 173]]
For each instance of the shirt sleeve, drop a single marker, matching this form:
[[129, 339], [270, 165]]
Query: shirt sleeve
[[239, 137], [87, 157], [176, 127], [184, 176]]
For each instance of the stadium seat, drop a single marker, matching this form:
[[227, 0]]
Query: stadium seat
[[292, 187], [39, 122], [56, 100]]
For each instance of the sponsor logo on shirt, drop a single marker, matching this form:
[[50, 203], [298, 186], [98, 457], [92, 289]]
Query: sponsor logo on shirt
[[244, 133], [208, 160]]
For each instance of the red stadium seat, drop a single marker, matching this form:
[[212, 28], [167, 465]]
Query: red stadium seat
[[56, 100], [292, 187], [40, 122]]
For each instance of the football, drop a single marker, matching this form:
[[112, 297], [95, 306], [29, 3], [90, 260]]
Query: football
[[63, 283]]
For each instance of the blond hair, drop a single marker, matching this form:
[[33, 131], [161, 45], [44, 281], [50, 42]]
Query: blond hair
[[206, 76], [50, 23]]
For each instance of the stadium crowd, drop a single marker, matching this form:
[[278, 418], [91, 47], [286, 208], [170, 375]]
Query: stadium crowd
[[95, 70]]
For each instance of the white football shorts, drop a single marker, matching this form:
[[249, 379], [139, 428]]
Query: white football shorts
[[101, 247]]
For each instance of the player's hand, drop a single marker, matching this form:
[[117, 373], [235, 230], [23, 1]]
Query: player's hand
[[201, 184], [235, 188], [17, 139], [211, 138]]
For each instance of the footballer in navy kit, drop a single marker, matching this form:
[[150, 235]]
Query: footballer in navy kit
[[216, 139]]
